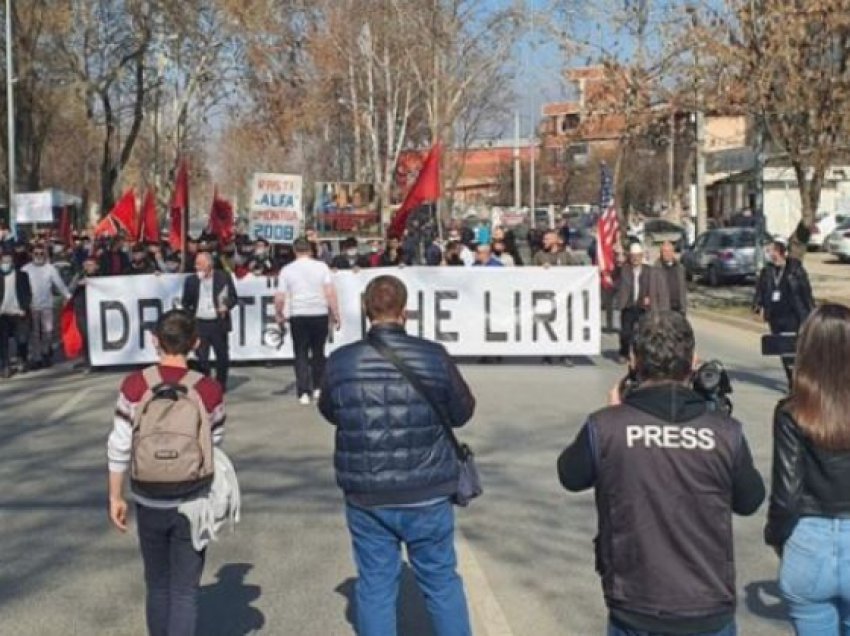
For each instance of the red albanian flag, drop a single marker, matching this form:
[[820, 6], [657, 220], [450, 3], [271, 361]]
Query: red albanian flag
[[222, 221], [125, 215], [149, 227], [426, 188], [179, 208]]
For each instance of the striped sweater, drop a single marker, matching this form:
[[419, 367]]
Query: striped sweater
[[132, 391]]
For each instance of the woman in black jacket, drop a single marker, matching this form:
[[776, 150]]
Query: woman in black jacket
[[809, 515]]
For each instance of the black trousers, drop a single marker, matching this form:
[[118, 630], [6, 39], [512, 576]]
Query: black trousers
[[309, 335], [13, 327], [629, 319], [172, 571], [212, 334]]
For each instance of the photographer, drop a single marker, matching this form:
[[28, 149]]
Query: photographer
[[668, 474]]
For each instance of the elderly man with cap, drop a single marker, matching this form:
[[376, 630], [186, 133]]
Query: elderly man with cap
[[783, 295], [641, 288]]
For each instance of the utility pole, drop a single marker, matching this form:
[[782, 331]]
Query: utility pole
[[518, 169], [532, 123], [671, 160], [10, 116], [699, 121]]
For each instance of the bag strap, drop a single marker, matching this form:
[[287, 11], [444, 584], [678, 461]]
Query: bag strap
[[152, 376], [419, 386]]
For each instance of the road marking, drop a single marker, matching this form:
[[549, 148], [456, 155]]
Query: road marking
[[487, 615], [68, 406]]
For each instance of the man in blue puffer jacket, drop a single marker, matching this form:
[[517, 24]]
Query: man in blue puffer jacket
[[396, 465]]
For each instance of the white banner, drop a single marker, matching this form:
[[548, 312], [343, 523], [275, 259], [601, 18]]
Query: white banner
[[525, 311], [276, 209], [34, 207]]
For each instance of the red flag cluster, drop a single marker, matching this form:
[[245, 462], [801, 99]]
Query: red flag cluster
[[426, 189], [144, 225]]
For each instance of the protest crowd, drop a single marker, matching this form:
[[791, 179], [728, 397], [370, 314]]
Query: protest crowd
[[396, 401]]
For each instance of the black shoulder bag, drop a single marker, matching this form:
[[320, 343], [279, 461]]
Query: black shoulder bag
[[468, 482]]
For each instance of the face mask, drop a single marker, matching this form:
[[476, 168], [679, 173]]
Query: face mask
[[261, 253], [374, 250], [498, 252], [239, 259], [351, 253], [38, 260], [6, 268]]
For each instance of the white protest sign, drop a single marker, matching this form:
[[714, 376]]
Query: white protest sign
[[276, 207], [34, 207], [473, 312]]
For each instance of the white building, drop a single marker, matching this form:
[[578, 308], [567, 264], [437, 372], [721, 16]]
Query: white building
[[782, 197]]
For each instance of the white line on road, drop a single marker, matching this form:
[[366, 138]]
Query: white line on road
[[68, 406], [487, 615]]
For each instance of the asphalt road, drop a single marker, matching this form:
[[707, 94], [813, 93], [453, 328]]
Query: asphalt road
[[525, 547]]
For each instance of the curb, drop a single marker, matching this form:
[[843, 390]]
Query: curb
[[732, 321]]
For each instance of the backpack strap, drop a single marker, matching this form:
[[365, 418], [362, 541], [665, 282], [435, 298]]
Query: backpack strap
[[152, 376], [190, 382]]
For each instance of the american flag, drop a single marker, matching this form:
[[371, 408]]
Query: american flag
[[608, 229]]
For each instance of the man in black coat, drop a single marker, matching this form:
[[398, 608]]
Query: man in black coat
[[209, 296], [783, 296], [15, 299]]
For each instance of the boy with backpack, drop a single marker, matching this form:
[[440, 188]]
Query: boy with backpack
[[167, 421]]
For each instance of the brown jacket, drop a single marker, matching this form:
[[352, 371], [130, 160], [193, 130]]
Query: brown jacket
[[653, 294]]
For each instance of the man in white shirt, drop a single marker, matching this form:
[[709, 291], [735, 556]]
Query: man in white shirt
[[44, 279], [307, 297]]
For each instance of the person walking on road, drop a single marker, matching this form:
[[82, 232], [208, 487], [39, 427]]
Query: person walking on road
[[172, 564], [783, 296], [640, 289], [307, 297], [15, 299], [395, 464], [44, 278], [668, 474], [809, 514], [674, 276], [209, 297]]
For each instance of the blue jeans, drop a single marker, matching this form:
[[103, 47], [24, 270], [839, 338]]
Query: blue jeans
[[614, 630], [172, 571], [815, 576], [428, 534]]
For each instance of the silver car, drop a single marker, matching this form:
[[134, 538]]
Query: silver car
[[837, 242], [720, 256]]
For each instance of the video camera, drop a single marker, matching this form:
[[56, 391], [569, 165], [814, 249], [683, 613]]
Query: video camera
[[710, 381]]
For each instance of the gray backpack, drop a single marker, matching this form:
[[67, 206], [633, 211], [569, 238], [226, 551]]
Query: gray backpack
[[172, 451]]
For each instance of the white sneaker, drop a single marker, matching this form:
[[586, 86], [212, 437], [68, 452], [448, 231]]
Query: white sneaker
[[304, 400], [317, 394]]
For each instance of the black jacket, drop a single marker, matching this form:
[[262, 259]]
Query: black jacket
[[807, 480], [801, 300], [668, 475], [390, 446], [221, 280], [22, 289]]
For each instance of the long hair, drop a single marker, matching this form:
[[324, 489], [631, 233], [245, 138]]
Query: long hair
[[820, 399]]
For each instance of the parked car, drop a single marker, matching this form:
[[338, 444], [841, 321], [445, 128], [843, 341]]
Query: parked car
[[825, 224], [657, 231], [581, 239], [838, 242], [720, 256]]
